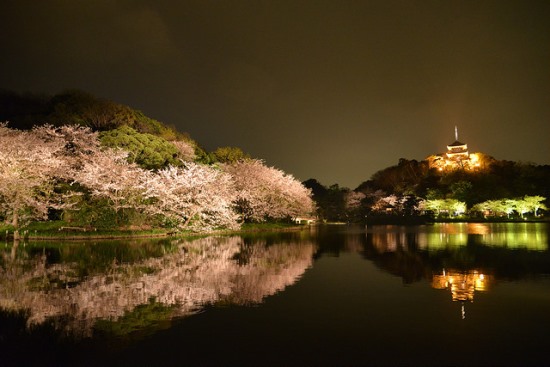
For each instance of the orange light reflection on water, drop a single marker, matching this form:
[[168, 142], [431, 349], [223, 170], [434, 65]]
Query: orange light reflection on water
[[462, 284]]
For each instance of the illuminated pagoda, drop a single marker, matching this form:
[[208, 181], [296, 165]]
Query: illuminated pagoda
[[456, 157], [457, 151]]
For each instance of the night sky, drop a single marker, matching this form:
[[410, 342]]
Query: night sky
[[334, 90]]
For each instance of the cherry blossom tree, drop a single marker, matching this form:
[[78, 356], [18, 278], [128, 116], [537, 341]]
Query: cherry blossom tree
[[353, 201], [108, 175], [534, 203], [81, 145], [29, 162], [529, 204], [522, 207], [267, 193], [450, 206], [456, 207], [386, 203], [186, 150], [195, 196], [508, 206], [492, 207], [34, 163]]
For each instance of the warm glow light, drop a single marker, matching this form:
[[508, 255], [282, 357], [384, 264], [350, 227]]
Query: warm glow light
[[457, 157], [461, 284], [478, 228]]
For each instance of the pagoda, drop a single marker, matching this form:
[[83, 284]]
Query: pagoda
[[457, 157], [457, 151]]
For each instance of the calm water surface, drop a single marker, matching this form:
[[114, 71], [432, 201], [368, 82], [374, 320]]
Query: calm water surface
[[447, 294]]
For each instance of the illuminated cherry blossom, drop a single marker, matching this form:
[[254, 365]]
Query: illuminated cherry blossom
[[266, 192], [195, 196], [29, 163]]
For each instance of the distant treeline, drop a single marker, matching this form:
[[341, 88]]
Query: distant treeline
[[410, 182]]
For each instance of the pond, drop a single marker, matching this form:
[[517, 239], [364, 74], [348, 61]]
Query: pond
[[443, 294]]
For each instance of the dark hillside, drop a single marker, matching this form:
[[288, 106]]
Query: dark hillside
[[496, 180], [152, 143]]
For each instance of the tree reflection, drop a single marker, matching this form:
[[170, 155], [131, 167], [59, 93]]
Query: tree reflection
[[507, 250], [532, 236], [190, 275]]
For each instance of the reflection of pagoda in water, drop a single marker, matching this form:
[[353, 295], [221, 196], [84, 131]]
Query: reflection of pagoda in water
[[461, 284]]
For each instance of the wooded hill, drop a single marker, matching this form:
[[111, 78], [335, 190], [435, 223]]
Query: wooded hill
[[497, 179], [94, 163], [411, 181], [119, 126]]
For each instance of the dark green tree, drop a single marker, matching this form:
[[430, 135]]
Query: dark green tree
[[147, 150], [76, 107], [229, 155], [331, 201]]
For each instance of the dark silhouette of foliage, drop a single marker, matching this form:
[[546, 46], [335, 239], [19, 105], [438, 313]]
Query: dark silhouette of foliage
[[317, 189], [229, 155], [497, 180], [23, 111], [81, 108], [331, 201], [75, 107], [405, 178]]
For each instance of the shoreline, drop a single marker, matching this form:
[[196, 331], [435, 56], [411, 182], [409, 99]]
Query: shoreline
[[257, 228], [129, 235], [423, 221]]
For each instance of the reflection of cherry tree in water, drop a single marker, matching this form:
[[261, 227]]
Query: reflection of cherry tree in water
[[269, 270], [197, 273]]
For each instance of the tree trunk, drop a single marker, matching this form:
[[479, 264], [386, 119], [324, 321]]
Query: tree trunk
[[15, 224], [13, 253], [189, 219], [15, 220]]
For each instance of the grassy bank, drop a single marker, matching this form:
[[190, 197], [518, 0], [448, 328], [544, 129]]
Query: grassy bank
[[264, 227], [60, 230]]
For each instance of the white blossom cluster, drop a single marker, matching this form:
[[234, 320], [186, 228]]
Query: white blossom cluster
[[195, 196]]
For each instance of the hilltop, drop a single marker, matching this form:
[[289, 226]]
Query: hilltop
[[403, 187], [153, 144]]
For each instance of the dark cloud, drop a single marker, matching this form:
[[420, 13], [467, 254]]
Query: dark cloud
[[328, 89]]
